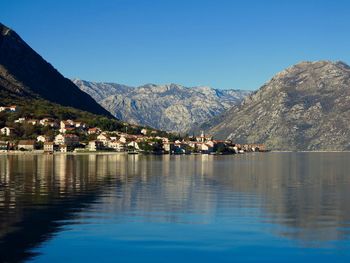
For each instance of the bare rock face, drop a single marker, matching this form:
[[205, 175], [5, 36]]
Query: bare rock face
[[166, 107], [305, 107], [25, 74]]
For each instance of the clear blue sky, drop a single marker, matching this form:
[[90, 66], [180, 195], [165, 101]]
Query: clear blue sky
[[223, 44]]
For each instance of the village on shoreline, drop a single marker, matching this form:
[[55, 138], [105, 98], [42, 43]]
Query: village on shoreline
[[64, 136]]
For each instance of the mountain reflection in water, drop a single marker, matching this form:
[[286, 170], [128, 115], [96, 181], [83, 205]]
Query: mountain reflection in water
[[253, 207]]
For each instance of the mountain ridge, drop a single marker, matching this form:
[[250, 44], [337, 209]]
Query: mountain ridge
[[169, 107], [304, 107]]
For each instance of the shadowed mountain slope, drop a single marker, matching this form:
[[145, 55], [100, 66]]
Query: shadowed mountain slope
[[24, 75]]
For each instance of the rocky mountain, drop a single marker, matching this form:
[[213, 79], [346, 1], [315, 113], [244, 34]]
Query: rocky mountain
[[25, 75], [167, 107], [305, 107]]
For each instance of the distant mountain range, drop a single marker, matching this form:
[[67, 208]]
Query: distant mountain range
[[25, 75], [167, 107], [305, 107]]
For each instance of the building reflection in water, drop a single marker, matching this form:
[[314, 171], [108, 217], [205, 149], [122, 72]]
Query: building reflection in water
[[306, 194]]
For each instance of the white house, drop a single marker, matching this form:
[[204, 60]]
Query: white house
[[44, 121], [104, 138], [95, 145], [94, 130], [9, 108], [20, 120], [235, 148], [59, 139], [67, 125], [6, 131], [41, 138], [48, 122], [63, 148], [79, 124], [67, 139], [134, 144], [117, 145], [144, 131], [206, 148], [204, 138], [12, 108], [122, 138], [210, 143], [49, 147]]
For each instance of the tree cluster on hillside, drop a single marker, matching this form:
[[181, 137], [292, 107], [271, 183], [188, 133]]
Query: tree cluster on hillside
[[39, 109]]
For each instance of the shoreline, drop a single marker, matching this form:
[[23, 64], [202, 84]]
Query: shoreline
[[39, 152], [58, 153], [316, 151]]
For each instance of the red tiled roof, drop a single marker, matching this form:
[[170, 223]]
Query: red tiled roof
[[26, 142], [71, 136]]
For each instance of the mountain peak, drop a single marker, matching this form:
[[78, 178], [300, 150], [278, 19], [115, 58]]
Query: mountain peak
[[316, 70], [320, 64], [304, 107], [25, 74], [6, 32]]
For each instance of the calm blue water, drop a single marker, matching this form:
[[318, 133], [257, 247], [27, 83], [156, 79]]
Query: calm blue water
[[273, 207]]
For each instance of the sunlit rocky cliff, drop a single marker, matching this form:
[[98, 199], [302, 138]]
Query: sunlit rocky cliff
[[167, 107], [305, 107]]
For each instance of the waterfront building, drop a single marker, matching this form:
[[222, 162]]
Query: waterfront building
[[95, 145], [27, 145], [104, 138], [67, 139], [49, 147]]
